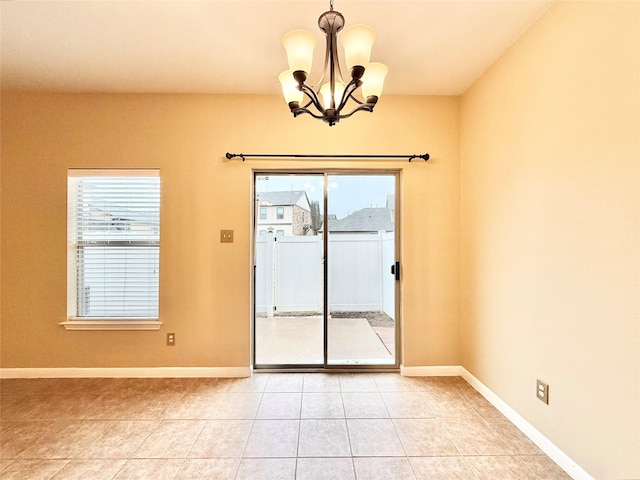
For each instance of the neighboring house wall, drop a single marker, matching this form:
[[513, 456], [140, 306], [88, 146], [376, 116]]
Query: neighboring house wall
[[295, 218], [284, 224], [300, 220]]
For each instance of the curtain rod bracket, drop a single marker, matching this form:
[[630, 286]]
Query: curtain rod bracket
[[424, 157], [229, 156]]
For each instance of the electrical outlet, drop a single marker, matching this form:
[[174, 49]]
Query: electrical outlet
[[542, 391], [171, 339], [226, 236]]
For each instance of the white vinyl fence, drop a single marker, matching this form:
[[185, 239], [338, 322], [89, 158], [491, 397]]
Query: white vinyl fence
[[289, 273]]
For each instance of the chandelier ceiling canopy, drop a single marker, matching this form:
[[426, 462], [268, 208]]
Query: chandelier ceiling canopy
[[328, 98]]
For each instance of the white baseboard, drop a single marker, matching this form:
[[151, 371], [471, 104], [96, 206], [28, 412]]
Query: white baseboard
[[546, 445], [136, 372], [436, 371], [562, 459]]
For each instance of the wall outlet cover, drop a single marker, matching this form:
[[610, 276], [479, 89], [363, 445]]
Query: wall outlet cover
[[226, 236], [542, 391]]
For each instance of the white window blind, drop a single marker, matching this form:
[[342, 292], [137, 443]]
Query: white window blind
[[114, 243]]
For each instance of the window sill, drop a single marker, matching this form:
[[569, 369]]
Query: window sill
[[104, 324]]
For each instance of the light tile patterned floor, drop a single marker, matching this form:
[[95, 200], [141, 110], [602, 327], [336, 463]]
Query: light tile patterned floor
[[311, 426]]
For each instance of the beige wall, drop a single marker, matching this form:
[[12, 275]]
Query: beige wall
[[550, 163], [205, 285]]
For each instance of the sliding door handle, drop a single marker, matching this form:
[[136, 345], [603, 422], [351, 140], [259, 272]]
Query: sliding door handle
[[395, 270]]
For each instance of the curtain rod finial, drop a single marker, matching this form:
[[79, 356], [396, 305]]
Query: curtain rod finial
[[424, 157], [234, 155]]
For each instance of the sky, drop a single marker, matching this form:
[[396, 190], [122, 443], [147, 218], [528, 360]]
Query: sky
[[347, 193]]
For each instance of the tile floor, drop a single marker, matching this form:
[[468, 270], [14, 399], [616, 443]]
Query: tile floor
[[272, 426]]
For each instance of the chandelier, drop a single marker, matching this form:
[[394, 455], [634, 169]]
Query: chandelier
[[335, 90]]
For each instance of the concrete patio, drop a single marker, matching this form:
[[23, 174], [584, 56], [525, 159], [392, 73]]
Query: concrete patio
[[297, 340]]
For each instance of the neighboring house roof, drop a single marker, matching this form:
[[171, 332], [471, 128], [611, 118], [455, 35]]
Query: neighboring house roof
[[123, 213], [284, 198], [364, 220]]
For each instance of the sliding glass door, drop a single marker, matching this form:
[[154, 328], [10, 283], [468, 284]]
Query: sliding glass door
[[325, 283], [361, 253], [289, 273]]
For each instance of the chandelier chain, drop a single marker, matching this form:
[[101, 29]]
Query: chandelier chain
[[331, 5]]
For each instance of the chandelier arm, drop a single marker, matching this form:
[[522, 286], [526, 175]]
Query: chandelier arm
[[311, 94], [350, 89], [300, 111], [327, 56], [324, 68], [331, 23], [307, 104], [337, 64], [332, 73], [367, 107], [358, 101], [335, 61]]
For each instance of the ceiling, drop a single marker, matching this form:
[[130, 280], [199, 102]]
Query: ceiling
[[233, 46]]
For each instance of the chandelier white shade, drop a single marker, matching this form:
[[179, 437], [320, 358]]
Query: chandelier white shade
[[373, 79], [299, 45], [290, 87], [357, 42], [327, 99]]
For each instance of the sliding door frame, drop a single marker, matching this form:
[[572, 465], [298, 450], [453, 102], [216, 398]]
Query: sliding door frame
[[325, 173]]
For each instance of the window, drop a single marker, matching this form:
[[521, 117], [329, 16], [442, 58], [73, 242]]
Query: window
[[263, 213], [280, 213], [114, 247], [262, 233], [280, 233]]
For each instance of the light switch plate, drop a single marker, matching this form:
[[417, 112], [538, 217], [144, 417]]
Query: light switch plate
[[226, 236]]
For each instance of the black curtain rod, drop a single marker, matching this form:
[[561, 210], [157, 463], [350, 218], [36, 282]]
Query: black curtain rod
[[229, 156]]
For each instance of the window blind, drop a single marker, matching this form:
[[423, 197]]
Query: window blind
[[114, 233]]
